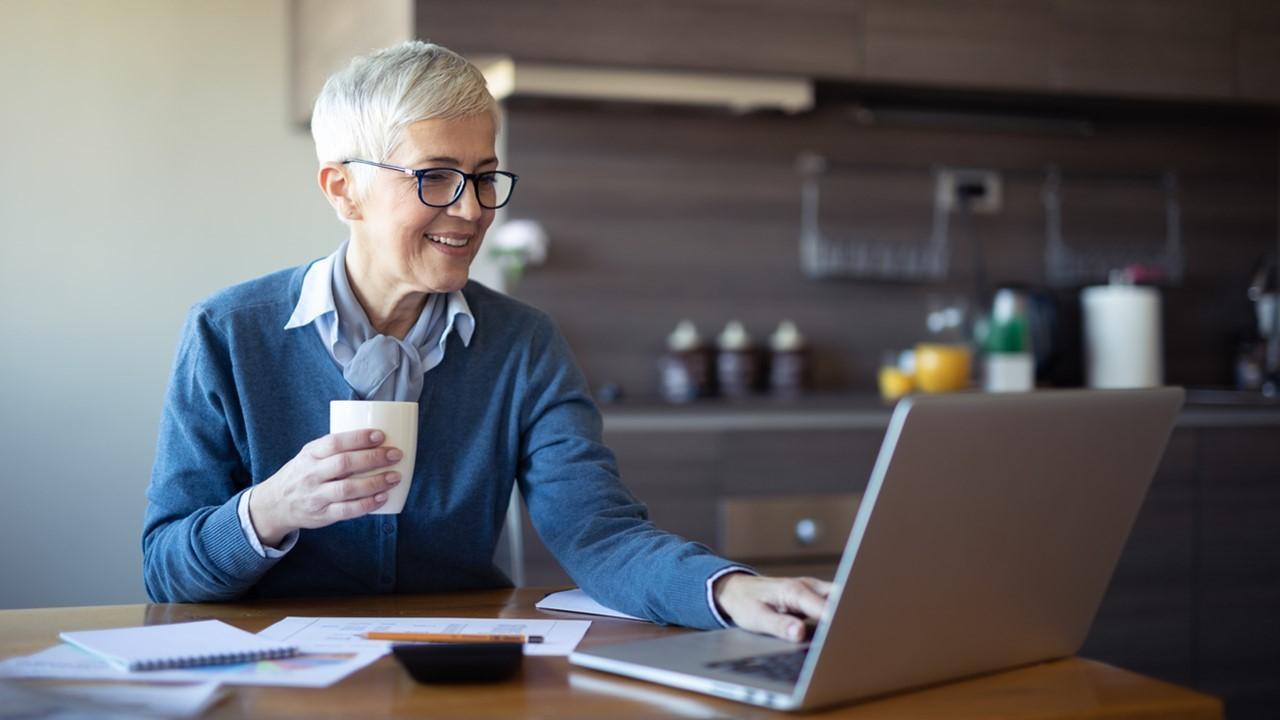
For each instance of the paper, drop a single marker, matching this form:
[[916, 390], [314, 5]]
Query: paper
[[186, 644], [579, 602], [338, 634], [106, 701], [305, 670], [1122, 336]]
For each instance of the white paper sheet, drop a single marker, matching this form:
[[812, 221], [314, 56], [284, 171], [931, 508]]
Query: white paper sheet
[[579, 602], [336, 634], [127, 702], [308, 669]]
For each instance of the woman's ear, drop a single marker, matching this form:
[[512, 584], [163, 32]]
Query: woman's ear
[[338, 190]]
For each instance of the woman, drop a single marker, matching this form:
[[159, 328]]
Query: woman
[[251, 497]]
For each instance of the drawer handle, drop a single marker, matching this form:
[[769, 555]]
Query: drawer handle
[[807, 531]]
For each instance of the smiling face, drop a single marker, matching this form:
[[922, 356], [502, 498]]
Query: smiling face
[[400, 247]]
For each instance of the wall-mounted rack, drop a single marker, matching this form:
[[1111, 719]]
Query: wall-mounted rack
[[1070, 266], [823, 256]]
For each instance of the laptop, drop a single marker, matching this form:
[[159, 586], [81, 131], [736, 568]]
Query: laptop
[[985, 540]]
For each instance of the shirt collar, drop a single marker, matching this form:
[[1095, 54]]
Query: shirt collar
[[459, 318], [316, 301], [316, 298]]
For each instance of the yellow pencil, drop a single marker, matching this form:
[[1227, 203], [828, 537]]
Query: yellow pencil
[[450, 637]]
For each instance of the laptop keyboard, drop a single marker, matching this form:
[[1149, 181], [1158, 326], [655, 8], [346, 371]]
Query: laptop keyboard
[[782, 667]]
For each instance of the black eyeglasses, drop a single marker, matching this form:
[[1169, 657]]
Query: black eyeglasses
[[441, 187]]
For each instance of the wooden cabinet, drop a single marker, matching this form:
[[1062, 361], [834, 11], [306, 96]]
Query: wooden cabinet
[[1145, 622], [1145, 48], [1141, 48], [1202, 50], [1258, 50], [793, 37], [996, 44], [1238, 628], [1206, 50]]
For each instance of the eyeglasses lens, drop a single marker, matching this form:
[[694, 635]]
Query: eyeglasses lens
[[442, 187]]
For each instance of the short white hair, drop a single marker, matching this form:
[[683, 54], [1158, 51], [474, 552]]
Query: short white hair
[[363, 109]]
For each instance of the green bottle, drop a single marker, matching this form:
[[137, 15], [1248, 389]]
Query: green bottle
[[1008, 365]]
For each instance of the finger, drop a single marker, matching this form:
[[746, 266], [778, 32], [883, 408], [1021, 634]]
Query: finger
[[792, 594], [354, 488], [765, 619], [820, 587], [354, 508], [334, 443], [355, 462]]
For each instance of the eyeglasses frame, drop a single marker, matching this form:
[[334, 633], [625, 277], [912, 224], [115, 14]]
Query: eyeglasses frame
[[473, 178]]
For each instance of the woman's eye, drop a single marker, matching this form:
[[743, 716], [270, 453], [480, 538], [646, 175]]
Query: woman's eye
[[440, 178]]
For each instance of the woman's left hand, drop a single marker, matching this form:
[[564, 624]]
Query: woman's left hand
[[772, 606]]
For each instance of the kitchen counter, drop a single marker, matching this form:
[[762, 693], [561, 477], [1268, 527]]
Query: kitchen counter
[[835, 411]]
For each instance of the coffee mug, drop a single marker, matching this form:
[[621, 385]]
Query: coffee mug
[[399, 422]]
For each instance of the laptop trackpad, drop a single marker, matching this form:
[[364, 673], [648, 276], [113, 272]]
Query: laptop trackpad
[[703, 654]]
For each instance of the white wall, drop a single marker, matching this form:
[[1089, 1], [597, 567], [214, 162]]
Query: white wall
[[146, 160]]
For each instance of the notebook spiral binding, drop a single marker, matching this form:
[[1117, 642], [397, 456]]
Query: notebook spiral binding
[[218, 659]]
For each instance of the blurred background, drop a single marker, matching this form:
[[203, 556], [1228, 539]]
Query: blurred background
[[148, 160], [873, 173]]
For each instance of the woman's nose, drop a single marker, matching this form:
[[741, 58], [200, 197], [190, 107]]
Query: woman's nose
[[468, 206]]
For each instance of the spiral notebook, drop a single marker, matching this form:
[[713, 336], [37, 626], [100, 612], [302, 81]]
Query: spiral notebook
[[179, 645]]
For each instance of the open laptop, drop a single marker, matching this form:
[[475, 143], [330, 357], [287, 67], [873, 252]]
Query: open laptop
[[985, 540]]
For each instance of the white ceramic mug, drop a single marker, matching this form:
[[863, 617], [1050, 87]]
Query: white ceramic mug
[[399, 421]]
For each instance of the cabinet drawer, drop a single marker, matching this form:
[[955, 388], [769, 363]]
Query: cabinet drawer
[[786, 526]]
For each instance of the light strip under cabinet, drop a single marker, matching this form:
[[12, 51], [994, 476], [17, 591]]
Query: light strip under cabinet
[[739, 93]]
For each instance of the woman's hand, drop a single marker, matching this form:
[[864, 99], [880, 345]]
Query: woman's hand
[[773, 606], [316, 489]]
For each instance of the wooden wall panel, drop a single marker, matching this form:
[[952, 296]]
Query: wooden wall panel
[[658, 215]]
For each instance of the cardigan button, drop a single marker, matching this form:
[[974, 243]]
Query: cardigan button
[[388, 527]]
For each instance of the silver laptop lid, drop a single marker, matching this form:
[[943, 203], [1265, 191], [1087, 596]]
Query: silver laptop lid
[[987, 535]]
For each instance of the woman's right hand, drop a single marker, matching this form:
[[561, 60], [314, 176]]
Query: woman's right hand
[[316, 487]]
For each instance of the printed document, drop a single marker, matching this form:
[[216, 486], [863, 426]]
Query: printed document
[[342, 634]]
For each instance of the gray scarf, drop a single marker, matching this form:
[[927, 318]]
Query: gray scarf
[[383, 367]]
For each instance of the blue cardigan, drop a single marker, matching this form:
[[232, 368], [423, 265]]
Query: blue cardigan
[[246, 395]]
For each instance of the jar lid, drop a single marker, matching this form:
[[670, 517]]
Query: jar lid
[[734, 337], [684, 338], [786, 338]]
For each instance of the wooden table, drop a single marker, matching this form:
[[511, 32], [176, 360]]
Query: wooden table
[[550, 687]]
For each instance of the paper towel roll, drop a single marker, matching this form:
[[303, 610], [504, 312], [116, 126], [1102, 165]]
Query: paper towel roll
[[1122, 337]]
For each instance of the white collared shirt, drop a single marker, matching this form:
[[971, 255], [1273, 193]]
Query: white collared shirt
[[316, 305]]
